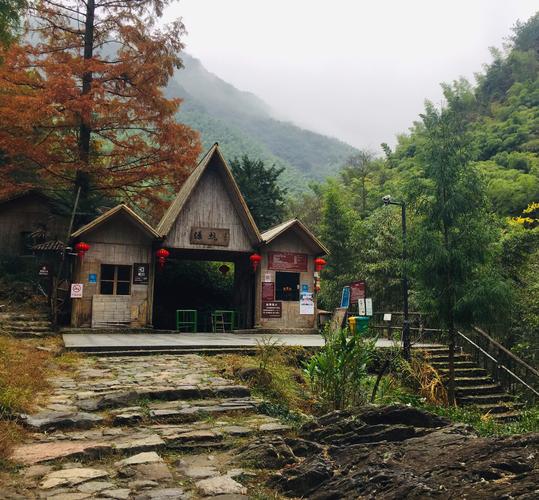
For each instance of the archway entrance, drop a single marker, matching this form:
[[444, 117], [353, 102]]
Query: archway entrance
[[209, 283]]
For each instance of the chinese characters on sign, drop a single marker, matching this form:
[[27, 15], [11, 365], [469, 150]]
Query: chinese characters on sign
[[209, 236], [287, 261], [272, 309], [140, 274]]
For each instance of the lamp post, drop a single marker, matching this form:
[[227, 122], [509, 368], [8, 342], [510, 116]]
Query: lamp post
[[406, 345]]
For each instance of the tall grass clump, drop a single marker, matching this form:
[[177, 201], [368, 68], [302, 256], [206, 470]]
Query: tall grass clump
[[337, 373]]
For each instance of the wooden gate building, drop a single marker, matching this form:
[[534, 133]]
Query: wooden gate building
[[207, 220]]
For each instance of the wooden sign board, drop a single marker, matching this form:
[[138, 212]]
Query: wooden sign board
[[268, 290], [272, 309], [357, 291], [209, 236], [288, 261]]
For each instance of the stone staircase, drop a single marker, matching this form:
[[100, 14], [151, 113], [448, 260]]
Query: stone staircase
[[166, 427], [474, 386], [25, 324]]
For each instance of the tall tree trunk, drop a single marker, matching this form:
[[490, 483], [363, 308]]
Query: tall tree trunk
[[85, 130]]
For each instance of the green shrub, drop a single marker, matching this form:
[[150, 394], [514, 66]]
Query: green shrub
[[338, 371]]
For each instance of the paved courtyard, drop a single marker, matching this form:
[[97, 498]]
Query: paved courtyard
[[193, 340]]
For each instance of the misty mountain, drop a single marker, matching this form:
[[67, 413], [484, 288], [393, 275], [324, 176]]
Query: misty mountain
[[243, 124]]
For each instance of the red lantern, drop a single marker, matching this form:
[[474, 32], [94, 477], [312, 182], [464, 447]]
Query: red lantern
[[319, 264], [82, 248], [255, 259], [162, 255]]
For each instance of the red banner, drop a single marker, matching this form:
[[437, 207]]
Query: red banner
[[288, 261], [268, 290]]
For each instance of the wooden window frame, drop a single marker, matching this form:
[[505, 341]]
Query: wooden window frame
[[115, 279]]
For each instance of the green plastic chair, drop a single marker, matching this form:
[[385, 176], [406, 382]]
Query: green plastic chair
[[223, 321], [186, 320]]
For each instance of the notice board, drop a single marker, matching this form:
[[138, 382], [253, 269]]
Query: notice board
[[288, 261]]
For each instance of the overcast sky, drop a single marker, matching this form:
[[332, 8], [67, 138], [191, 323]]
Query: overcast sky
[[358, 70]]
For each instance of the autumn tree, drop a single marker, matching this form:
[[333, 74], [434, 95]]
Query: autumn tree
[[81, 101]]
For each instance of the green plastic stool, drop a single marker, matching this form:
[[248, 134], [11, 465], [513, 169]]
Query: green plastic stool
[[226, 318]]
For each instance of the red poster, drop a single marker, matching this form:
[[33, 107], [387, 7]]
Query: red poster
[[287, 261], [268, 290], [357, 291]]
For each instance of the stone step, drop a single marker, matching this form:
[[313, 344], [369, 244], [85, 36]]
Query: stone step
[[510, 416], [180, 412], [444, 358], [465, 372], [104, 441], [494, 408], [472, 381], [119, 399], [34, 325], [476, 390], [440, 365], [480, 399], [246, 351]]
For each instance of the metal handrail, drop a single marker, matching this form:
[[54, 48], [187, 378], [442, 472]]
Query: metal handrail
[[499, 364]]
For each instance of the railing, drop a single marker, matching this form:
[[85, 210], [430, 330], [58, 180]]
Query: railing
[[513, 374]]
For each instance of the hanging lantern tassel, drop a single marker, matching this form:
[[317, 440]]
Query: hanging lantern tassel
[[162, 255], [81, 248], [255, 259]]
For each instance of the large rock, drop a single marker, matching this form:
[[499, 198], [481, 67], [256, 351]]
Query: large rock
[[270, 453], [400, 453]]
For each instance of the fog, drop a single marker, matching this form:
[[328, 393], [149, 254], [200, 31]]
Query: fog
[[353, 69]]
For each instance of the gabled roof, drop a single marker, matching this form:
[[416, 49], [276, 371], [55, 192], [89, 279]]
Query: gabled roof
[[110, 213], [269, 235], [175, 208], [22, 193]]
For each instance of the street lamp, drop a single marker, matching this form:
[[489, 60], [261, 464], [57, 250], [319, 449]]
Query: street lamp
[[406, 345]]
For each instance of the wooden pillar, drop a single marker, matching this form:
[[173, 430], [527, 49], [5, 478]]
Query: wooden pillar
[[243, 290]]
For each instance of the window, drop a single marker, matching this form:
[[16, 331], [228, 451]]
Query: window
[[287, 286], [115, 280]]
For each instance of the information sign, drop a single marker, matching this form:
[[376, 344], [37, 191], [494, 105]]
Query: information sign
[[357, 291], [306, 304], [361, 307], [76, 290], [345, 297], [92, 278], [272, 309], [368, 307], [287, 261], [44, 270], [141, 273]]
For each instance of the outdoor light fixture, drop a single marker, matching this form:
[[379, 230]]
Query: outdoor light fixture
[[81, 248], [255, 259], [406, 343], [162, 255]]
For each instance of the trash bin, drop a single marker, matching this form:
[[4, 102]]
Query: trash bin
[[358, 324]]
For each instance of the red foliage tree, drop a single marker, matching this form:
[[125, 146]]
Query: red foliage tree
[[81, 101]]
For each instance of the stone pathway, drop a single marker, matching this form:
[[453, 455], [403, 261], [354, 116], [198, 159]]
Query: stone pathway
[[158, 427]]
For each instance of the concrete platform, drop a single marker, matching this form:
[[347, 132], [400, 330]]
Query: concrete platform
[[189, 341]]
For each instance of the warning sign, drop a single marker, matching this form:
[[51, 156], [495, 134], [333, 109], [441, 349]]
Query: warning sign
[[76, 290]]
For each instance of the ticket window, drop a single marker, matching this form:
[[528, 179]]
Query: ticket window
[[287, 286]]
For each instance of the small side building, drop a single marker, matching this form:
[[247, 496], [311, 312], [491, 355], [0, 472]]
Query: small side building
[[116, 272], [285, 292], [28, 218]]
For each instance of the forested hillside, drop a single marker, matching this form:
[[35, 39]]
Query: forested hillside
[[480, 153], [242, 124]]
